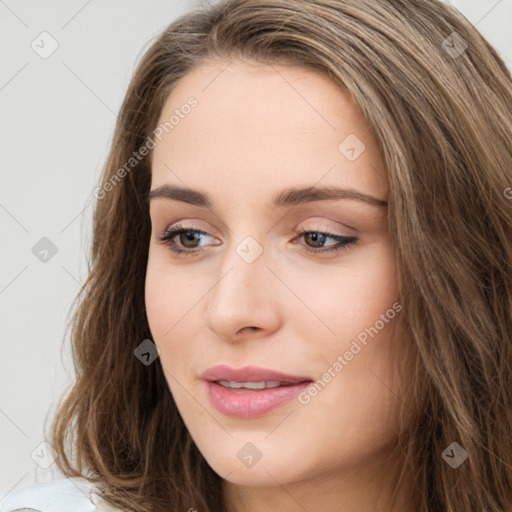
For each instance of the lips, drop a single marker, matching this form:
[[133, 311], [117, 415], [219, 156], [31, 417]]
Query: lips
[[226, 393], [250, 374]]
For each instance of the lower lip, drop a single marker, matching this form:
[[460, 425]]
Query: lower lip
[[246, 403]]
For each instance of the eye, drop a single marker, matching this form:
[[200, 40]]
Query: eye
[[318, 238], [188, 237]]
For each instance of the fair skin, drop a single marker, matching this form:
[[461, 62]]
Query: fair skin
[[256, 130]]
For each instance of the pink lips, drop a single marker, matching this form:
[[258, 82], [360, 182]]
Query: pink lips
[[248, 403]]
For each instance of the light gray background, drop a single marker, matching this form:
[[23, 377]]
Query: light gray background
[[57, 120]]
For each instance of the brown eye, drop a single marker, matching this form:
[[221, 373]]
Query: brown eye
[[187, 239], [318, 238]]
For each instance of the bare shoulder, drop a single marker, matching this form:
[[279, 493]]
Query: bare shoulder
[[61, 495]]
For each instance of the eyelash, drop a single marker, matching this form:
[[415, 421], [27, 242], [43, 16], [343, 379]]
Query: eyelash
[[344, 242]]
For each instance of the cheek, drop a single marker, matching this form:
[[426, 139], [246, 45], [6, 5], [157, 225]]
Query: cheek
[[157, 297], [165, 305], [346, 299], [355, 305], [361, 311], [174, 297], [171, 293]]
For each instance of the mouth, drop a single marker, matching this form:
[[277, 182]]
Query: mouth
[[266, 384], [250, 391]]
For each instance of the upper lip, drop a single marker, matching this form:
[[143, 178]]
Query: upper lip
[[249, 374]]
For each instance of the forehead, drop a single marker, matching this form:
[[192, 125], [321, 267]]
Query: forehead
[[261, 125]]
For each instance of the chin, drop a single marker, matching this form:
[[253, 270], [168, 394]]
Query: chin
[[234, 464], [251, 477]]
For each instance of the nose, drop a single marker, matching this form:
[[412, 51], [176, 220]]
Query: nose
[[243, 301]]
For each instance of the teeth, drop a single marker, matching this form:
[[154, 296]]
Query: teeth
[[250, 385]]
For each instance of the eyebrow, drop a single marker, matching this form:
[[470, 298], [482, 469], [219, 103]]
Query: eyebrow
[[287, 197]]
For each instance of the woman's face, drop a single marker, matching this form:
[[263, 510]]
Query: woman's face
[[249, 291]]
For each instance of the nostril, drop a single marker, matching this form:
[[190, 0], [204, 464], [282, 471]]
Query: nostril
[[250, 327]]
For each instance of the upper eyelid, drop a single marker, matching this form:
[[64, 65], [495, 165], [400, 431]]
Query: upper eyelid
[[185, 226], [192, 225]]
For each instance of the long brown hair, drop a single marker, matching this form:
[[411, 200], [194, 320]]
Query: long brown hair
[[440, 106]]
